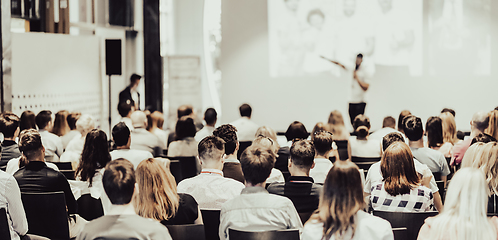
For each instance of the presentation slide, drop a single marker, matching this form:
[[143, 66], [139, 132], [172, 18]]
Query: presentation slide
[[431, 37]]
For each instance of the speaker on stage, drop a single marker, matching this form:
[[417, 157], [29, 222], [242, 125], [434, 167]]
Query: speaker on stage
[[113, 57]]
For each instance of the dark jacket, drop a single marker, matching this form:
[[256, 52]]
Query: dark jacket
[[10, 150], [125, 96]]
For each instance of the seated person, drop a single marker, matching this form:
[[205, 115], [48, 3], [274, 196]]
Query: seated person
[[322, 141], [210, 117], [362, 145], [255, 209], [295, 131], [10, 199], [246, 128], [9, 127], [84, 125], [388, 126], [435, 140], [434, 159], [340, 214], [72, 118], [122, 141], [122, 222], [275, 175], [185, 145], [51, 142], [300, 187], [125, 110], [156, 127], [231, 167], [210, 189], [401, 190], [157, 197], [141, 139]]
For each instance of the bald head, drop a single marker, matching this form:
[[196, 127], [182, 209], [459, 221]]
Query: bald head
[[139, 119], [480, 120]]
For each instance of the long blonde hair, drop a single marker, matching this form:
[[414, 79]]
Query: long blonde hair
[[449, 128], [337, 127], [464, 213], [493, 124], [157, 198], [484, 156]]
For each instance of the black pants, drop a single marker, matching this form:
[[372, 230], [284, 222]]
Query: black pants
[[356, 109]]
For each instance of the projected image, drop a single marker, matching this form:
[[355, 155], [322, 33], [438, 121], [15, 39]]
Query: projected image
[[386, 32], [459, 37]]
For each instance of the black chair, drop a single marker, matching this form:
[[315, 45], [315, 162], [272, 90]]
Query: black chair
[[332, 159], [175, 169], [46, 214], [90, 208], [412, 221], [286, 175], [364, 162], [63, 165], [69, 174], [242, 147], [211, 219], [305, 216], [3, 168], [282, 162], [4, 225], [342, 149], [186, 232], [400, 233], [189, 167], [288, 234]]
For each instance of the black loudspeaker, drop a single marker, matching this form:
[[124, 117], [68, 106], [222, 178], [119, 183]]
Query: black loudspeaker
[[113, 57], [121, 12]]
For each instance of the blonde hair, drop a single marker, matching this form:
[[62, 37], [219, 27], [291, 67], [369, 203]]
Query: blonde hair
[[493, 124], [449, 128], [157, 119], [266, 142], [157, 198], [464, 213], [484, 156], [85, 124], [269, 133], [337, 127]]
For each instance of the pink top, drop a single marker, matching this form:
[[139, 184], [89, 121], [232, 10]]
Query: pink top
[[459, 150]]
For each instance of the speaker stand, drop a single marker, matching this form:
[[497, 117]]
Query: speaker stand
[[110, 127]]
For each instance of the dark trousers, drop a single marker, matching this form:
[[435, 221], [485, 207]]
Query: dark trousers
[[356, 109]]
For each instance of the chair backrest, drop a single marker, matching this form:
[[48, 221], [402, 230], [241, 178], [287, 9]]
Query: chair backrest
[[69, 174], [242, 147], [175, 169], [90, 208], [412, 221], [63, 165], [46, 214], [188, 166], [305, 216], [363, 162], [282, 162], [4, 225], [211, 219], [342, 149], [332, 159], [400, 233], [287, 234], [186, 232], [437, 176]]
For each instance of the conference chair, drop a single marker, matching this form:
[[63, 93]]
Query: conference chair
[[4, 225], [412, 221], [305, 216], [175, 169], [364, 162], [46, 214], [189, 167], [186, 232], [288, 234], [89, 208], [282, 162], [211, 219], [63, 165], [342, 149], [242, 147], [332, 159], [400, 233]]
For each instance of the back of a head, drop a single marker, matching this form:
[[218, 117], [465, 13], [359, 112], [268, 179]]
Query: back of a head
[[449, 110], [30, 143], [119, 181], [323, 141], [139, 119], [72, 118], [296, 130], [27, 120], [398, 169], [302, 154], [134, 78], [267, 132], [266, 142], [43, 118], [492, 129], [184, 110], [9, 123], [484, 156], [257, 162], [434, 128], [245, 110], [95, 155], [211, 148], [341, 199], [210, 116], [120, 134], [335, 118], [361, 125], [412, 127], [157, 119], [402, 115], [61, 126], [228, 133], [391, 138], [480, 120], [185, 127], [449, 127], [389, 122], [84, 124], [124, 109], [319, 127]]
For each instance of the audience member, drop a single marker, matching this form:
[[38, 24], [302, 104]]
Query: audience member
[[401, 117], [185, 145], [27, 120], [435, 140], [337, 127], [9, 127], [72, 118], [479, 123], [141, 139], [449, 128], [401, 189], [300, 187], [125, 110], [362, 145], [255, 209], [61, 126], [449, 110], [210, 189], [464, 215], [122, 222], [84, 125], [51, 142], [433, 159], [295, 131], [374, 174], [340, 214], [319, 127], [266, 142], [231, 167], [388, 126], [269, 133], [246, 128], [184, 110], [492, 129], [94, 158], [157, 197], [122, 142], [156, 123], [210, 117], [322, 141]]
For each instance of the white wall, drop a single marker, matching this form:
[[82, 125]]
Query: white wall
[[277, 102]]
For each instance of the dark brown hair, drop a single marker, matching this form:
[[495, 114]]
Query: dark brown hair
[[95, 155], [257, 163], [119, 181], [398, 169], [27, 120], [361, 125]]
